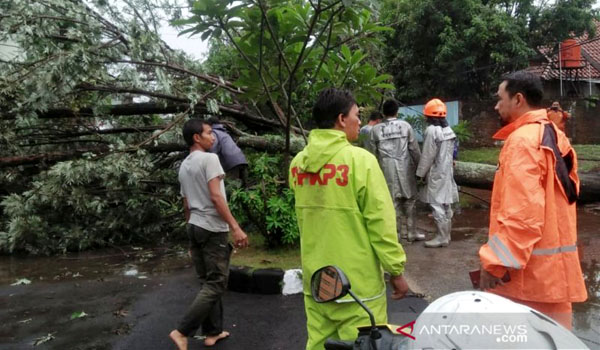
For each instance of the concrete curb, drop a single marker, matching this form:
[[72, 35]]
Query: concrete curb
[[244, 279]]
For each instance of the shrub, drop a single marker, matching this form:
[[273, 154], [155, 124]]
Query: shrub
[[85, 203], [267, 203]]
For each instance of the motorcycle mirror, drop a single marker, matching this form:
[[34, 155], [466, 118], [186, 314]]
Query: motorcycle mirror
[[329, 283]]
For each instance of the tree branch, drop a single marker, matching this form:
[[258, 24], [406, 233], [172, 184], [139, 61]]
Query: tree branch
[[213, 80], [247, 59], [237, 112], [245, 141], [273, 36], [119, 89], [326, 48]]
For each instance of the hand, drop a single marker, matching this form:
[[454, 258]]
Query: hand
[[400, 286], [488, 281], [240, 238]]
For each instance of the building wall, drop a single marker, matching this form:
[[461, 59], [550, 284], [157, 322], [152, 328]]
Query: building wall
[[583, 127], [552, 89], [452, 115]]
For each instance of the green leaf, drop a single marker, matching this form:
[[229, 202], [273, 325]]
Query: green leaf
[[235, 24], [212, 106], [194, 30], [297, 39], [199, 6], [183, 21], [381, 78], [357, 57], [346, 53], [205, 35], [385, 86], [375, 29], [79, 314]]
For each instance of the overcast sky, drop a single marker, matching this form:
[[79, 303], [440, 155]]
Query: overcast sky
[[193, 46]]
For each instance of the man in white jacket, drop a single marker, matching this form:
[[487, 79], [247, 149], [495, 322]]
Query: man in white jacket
[[436, 166]]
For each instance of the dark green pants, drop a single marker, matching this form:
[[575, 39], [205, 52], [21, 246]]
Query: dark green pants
[[210, 253]]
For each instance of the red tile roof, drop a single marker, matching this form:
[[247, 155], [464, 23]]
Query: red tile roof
[[549, 69]]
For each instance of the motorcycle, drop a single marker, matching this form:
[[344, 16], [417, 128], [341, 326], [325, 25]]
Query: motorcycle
[[465, 320]]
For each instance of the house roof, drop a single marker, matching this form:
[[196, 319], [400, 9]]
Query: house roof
[[590, 54]]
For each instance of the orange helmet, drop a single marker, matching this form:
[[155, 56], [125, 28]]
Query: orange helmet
[[435, 108]]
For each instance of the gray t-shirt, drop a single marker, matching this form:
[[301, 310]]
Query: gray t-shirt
[[195, 172]]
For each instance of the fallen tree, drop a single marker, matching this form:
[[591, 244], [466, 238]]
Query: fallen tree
[[482, 176]]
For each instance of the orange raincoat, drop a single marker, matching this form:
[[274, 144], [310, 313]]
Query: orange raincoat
[[559, 118], [533, 233]]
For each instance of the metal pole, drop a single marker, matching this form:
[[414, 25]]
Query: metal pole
[[560, 69], [590, 78]]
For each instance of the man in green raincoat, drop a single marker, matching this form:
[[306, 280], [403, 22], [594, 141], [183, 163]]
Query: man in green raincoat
[[346, 218]]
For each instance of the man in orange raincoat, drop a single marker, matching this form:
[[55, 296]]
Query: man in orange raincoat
[[533, 235], [558, 116]]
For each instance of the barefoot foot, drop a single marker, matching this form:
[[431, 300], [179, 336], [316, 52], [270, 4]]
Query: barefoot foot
[[213, 339], [179, 339]]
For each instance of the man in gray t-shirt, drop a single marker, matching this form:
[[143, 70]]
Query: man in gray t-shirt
[[194, 174], [208, 223]]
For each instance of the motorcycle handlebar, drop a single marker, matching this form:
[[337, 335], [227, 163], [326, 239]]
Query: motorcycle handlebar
[[338, 345]]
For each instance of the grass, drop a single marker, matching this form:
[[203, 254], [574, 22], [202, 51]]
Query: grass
[[485, 155], [588, 155], [258, 256]]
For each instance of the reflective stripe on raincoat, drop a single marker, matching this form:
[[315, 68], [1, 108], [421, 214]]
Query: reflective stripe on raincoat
[[345, 213], [436, 165], [394, 144], [533, 233]]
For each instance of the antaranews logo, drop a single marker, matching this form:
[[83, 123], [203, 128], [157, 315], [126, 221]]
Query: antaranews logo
[[502, 333], [410, 325]]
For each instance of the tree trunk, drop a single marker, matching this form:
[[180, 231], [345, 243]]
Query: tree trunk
[[235, 111], [482, 176], [474, 175]]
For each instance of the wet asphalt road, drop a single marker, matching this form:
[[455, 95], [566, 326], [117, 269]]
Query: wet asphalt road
[[139, 311], [132, 313]]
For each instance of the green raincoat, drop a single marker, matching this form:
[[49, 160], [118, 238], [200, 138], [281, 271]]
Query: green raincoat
[[346, 218]]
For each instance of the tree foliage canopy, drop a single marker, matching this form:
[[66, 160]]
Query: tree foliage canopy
[[286, 51], [93, 104], [464, 46]]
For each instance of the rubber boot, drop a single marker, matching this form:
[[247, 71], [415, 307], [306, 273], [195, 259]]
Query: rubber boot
[[412, 232], [402, 231], [441, 239], [448, 233]]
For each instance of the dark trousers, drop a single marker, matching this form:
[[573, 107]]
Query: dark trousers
[[239, 172], [210, 253]]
